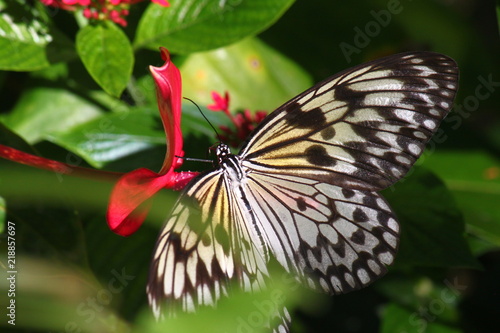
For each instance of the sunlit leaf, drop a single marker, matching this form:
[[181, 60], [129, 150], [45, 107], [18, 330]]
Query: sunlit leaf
[[264, 78], [44, 110], [107, 54], [475, 186], [210, 23], [26, 42], [118, 135]]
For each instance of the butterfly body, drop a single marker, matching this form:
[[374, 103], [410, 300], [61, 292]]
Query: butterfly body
[[304, 187]]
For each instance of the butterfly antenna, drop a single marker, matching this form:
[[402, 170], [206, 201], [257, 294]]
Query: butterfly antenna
[[194, 159], [208, 121]]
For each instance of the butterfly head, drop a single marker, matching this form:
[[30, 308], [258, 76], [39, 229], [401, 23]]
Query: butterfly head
[[221, 152]]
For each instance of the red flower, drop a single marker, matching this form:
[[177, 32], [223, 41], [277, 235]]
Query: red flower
[[114, 10], [244, 121], [128, 206], [220, 103]]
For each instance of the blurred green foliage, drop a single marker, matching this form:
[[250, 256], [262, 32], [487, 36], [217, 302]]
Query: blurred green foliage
[[82, 94]]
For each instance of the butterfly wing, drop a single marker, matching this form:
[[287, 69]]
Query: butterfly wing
[[362, 128], [333, 239], [203, 247], [315, 164]]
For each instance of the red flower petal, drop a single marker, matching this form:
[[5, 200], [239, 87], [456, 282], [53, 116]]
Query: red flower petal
[[127, 207], [220, 103], [182, 178], [169, 92], [128, 204], [161, 2]]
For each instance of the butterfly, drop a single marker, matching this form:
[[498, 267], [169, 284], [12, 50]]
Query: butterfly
[[304, 188]]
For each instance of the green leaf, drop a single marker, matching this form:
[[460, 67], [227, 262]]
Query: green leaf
[[193, 26], [265, 78], [107, 54], [23, 39], [53, 297], [44, 110], [241, 312], [11, 139], [432, 227], [115, 136], [194, 123], [112, 136], [475, 187]]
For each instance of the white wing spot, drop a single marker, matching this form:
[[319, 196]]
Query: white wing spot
[[322, 199], [429, 124], [432, 84], [178, 280], [445, 105], [382, 204], [307, 230], [390, 239], [329, 233], [393, 225], [324, 284], [386, 258], [335, 282], [414, 149], [349, 279], [375, 268], [326, 87], [403, 159], [305, 98], [434, 112], [419, 135], [363, 276]]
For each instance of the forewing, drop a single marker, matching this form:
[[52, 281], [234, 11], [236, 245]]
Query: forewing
[[362, 128], [202, 249], [332, 238]]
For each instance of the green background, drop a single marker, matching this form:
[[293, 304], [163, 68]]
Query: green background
[[82, 94]]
